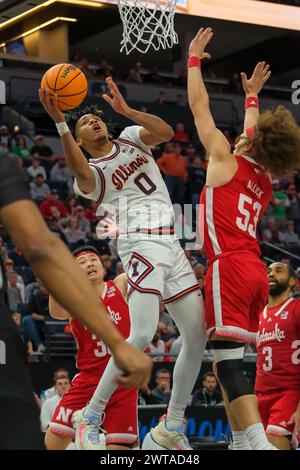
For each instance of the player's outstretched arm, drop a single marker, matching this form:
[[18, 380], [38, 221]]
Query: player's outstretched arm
[[213, 140], [70, 286], [76, 160], [155, 130], [252, 87]]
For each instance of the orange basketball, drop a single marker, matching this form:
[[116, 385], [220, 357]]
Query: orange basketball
[[68, 82]]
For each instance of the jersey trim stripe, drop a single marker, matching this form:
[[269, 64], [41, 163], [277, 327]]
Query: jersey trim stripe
[[233, 332], [133, 144], [251, 160], [111, 157], [265, 312], [217, 294], [210, 220], [102, 177], [143, 290], [61, 429], [181, 294]]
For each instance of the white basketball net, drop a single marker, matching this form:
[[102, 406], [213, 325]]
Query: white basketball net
[[147, 23]]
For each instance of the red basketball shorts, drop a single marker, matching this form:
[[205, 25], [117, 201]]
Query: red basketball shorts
[[236, 291], [276, 409], [120, 423]]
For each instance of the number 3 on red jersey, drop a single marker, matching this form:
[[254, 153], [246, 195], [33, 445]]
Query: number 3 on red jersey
[[250, 212], [267, 352]]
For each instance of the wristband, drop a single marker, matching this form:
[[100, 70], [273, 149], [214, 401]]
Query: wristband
[[62, 128], [251, 102], [194, 61]]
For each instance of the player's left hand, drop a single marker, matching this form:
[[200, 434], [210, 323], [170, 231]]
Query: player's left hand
[[296, 420], [259, 77], [116, 100], [199, 43]]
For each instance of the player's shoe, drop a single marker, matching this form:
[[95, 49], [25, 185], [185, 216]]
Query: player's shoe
[[87, 429], [159, 438]]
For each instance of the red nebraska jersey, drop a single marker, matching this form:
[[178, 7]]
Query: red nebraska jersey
[[93, 354], [229, 214], [278, 348]]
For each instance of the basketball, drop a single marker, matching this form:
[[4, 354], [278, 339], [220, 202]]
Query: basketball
[[68, 82]]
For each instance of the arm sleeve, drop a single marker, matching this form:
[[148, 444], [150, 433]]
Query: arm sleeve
[[13, 187], [97, 191], [132, 133]]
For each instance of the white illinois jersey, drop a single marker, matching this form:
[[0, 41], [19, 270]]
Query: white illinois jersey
[[129, 185]]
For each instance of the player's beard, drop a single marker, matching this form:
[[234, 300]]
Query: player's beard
[[278, 288]]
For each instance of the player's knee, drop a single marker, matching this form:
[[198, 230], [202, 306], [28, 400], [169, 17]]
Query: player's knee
[[141, 339], [56, 442], [229, 365]]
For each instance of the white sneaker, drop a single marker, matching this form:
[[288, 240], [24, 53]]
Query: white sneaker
[[87, 429], [159, 438]]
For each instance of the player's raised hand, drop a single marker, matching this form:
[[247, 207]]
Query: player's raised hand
[[115, 99], [259, 77], [199, 43], [50, 105], [136, 366]]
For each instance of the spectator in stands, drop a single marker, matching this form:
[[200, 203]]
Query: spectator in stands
[[179, 101], [174, 167], [40, 148], [105, 69], [10, 267], [20, 164], [196, 179], [17, 318], [51, 392], [135, 74], [39, 190], [163, 386], [4, 137], [70, 204], [153, 76], [73, 233], [15, 291], [20, 149], [161, 98], [83, 223], [271, 226], [235, 84], [294, 209], [157, 347], [38, 310], [175, 348], [84, 66], [180, 135], [280, 200], [208, 395], [290, 238], [36, 168], [91, 212], [60, 173], [190, 152], [166, 325], [62, 385], [52, 207]]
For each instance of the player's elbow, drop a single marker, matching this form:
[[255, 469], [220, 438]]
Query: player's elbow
[[198, 104]]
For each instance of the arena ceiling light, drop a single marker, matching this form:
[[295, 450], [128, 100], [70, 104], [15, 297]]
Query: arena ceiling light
[[87, 3], [43, 25]]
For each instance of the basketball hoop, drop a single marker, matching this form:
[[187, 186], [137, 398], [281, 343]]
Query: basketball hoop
[[147, 23]]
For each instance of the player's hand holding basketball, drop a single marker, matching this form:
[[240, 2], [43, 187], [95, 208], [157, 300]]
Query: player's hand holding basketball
[[136, 366], [259, 77], [50, 105], [199, 43], [116, 99]]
